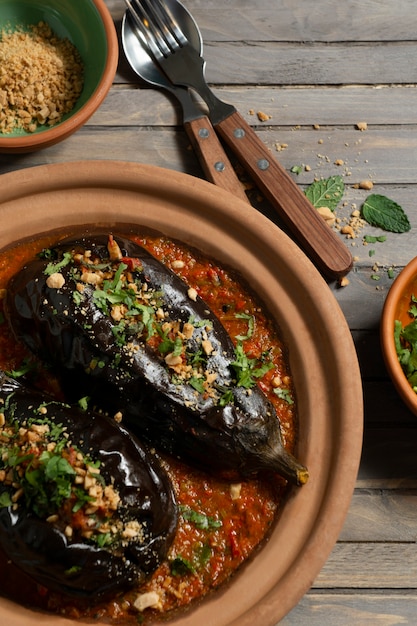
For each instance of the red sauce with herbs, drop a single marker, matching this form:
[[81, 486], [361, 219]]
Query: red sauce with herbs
[[236, 518]]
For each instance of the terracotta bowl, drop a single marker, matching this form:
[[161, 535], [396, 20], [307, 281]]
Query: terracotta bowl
[[321, 352], [396, 307], [89, 26]]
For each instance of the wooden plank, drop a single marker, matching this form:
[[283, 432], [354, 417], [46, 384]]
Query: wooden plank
[[275, 63], [370, 566], [286, 106], [384, 156], [389, 459], [383, 406], [359, 609], [386, 515], [368, 349], [249, 20], [167, 149]]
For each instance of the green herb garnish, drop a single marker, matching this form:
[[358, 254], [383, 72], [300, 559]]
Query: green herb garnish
[[52, 268], [405, 339], [327, 192], [284, 394], [181, 566], [251, 326], [384, 213], [26, 366], [248, 369], [372, 239], [200, 520]]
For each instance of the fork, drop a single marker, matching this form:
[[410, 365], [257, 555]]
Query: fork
[[184, 66]]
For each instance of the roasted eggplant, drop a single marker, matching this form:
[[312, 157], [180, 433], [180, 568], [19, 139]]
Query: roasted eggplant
[[85, 509], [132, 335]]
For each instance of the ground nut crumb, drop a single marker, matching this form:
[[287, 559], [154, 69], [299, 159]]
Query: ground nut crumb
[[146, 600], [366, 184], [362, 126], [347, 230], [55, 281], [118, 417], [263, 117], [327, 214], [41, 77], [344, 281], [235, 490]]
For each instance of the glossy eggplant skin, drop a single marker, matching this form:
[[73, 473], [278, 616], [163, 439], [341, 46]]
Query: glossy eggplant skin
[[240, 438], [80, 568]]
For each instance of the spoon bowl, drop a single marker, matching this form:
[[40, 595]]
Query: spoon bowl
[[140, 60], [209, 150]]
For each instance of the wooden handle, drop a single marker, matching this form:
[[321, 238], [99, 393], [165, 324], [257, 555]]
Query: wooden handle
[[213, 159], [320, 242]]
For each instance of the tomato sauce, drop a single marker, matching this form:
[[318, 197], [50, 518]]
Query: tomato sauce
[[221, 524]]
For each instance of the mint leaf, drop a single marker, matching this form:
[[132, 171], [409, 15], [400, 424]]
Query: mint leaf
[[327, 192], [380, 211]]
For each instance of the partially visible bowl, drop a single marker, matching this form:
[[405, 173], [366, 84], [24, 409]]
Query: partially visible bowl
[[396, 307], [89, 27], [113, 195]]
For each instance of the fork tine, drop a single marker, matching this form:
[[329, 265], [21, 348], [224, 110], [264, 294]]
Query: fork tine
[[165, 31], [170, 21], [156, 21], [150, 33]]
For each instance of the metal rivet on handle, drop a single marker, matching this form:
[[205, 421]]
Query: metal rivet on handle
[[219, 166], [263, 164], [239, 133], [203, 133]]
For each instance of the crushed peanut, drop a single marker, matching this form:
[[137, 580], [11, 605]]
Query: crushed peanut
[[366, 184], [362, 126], [263, 117], [55, 281], [41, 78], [235, 490], [327, 214]]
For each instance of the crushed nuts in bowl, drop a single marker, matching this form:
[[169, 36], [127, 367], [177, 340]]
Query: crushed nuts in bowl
[[57, 63]]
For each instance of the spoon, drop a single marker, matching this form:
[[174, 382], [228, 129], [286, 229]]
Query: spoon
[[210, 152], [183, 64]]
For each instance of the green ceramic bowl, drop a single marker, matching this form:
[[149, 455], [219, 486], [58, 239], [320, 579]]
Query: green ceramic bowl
[[89, 26]]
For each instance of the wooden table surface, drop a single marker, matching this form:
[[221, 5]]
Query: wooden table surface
[[317, 69]]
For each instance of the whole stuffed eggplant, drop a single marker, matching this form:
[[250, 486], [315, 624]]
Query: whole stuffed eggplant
[[84, 508], [132, 335]]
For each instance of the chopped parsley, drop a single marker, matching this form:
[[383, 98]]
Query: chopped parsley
[[405, 338], [52, 268], [200, 520], [251, 326], [247, 369], [181, 566], [139, 314], [284, 394], [42, 470]]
